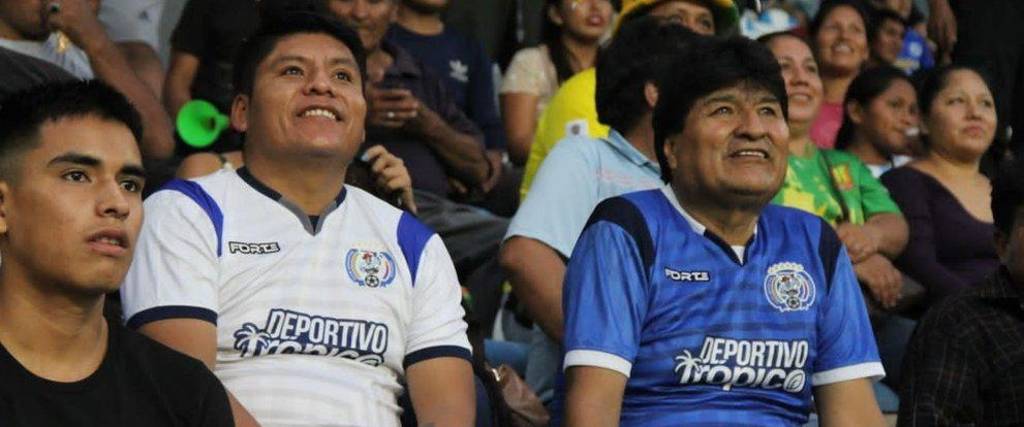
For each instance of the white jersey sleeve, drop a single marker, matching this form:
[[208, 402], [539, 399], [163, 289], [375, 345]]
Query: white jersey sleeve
[[175, 270], [437, 328]]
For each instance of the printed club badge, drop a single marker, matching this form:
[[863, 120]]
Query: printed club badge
[[788, 287], [369, 268]]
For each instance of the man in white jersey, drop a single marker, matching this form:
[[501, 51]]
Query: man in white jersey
[[313, 302]]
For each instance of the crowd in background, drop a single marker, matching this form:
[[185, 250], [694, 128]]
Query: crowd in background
[[512, 120]]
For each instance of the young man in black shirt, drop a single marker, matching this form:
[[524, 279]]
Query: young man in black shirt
[[70, 210]]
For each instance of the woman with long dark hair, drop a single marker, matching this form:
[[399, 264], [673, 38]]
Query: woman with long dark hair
[[572, 34], [880, 119], [944, 195]]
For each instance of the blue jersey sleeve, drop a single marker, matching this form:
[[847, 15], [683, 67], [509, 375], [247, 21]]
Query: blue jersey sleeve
[[605, 293], [846, 345]]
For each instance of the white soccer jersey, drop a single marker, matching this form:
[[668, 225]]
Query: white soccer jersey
[[315, 322]]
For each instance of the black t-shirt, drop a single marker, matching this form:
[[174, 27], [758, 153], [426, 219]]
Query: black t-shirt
[[213, 31], [139, 383], [19, 72]]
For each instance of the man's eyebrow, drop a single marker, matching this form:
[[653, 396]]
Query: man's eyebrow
[[343, 60], [76, 158], [720, 98], [289, 58], [131, 169]]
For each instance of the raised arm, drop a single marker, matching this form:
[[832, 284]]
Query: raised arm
[[178, 86], [78, 21]]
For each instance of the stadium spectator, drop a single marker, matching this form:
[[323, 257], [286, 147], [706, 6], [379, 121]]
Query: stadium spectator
[[313, 301], [987, 35], [134, 26], [204, 45], [19, 72], [963, 365], [459, 61], [945, 190], [578, 174], [67, 33], [572, 112], [71, 181], [680, 301], [880, 119], [887, 31], [412, 115], [840, 38], [835, 185], [572, 34]]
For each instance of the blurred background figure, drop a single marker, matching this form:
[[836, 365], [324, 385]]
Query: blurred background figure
[[880, 123], [839, 35], [944, 195], [571, 34]]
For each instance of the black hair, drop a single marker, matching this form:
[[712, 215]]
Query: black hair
[[642, 48], [23, 113], [1007, 195], [711, 64], [281, 20], [879, 16], [930, 82], [868, 85], [828, 6], [551, 35], [722, 25]]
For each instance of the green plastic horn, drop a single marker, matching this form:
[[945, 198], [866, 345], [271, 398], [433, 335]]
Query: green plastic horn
[[199, 123]]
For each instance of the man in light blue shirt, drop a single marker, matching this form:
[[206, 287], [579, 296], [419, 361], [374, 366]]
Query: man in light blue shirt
[[581, 172]]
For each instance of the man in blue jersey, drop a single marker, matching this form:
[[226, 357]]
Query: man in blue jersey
[[700, 304]]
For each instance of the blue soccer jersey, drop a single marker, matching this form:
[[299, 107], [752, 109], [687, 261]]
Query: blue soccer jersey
[[710, 334]]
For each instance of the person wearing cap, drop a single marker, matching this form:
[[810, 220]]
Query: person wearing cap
[[572, 110], [700, 302]]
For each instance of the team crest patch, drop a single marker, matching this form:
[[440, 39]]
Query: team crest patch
[[369, 268], [788, 287], [843, 178]]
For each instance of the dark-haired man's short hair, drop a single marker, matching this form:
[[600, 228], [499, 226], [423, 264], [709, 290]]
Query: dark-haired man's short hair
[[23, 113], [1007, 195], [274, 27], [711, 64], [642, 47]]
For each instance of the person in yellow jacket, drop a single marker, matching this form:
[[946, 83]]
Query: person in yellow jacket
[[573, 112]]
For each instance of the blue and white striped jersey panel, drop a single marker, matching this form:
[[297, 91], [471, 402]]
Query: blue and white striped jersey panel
[[314, 327], [708, 336]]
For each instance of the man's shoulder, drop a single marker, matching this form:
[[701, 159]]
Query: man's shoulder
[[634, 210], [142, 356], [208, 193], [964, 311]]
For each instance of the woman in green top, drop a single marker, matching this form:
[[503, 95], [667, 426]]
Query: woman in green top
[[835, 185]]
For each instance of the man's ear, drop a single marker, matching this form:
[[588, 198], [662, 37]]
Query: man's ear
[[651, 94], [240, 113], [668, 149], [5, 191], [1001, 240], [554, 16], [856, 112]]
